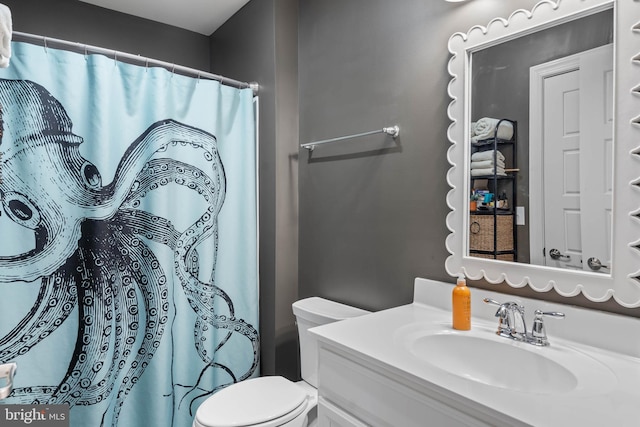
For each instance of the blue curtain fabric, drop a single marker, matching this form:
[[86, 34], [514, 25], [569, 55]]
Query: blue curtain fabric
[[128, 237]]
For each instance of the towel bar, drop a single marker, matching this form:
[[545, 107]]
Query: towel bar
[[394, 131]]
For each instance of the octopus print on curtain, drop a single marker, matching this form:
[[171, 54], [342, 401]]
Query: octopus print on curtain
[[128, 248]]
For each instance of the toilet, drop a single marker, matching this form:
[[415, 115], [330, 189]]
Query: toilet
[[274, 401]]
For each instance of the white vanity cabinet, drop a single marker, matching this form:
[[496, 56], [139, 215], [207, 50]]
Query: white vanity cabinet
[[355, 391], [406, 367]]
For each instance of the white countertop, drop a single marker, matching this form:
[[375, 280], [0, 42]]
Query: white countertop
[[378, 339]]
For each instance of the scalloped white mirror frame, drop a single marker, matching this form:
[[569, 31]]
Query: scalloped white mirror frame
[[623, 284]]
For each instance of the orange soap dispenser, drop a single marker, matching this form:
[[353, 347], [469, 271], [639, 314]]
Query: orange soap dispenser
[[461, 305]]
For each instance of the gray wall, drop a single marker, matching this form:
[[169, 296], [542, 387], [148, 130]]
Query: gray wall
[[372, 213]]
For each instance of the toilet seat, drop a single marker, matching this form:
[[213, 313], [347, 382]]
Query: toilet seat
[[258, 402]]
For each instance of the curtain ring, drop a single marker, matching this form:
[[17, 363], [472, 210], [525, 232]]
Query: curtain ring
[[198, 77], [115, 58], [45, 45]]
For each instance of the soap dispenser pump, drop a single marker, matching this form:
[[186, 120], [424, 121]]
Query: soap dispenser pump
[[461, 305]]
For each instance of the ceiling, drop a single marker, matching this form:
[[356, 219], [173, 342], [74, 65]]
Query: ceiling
[[200, 16]]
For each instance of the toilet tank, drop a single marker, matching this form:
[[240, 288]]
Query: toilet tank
[[312, 312]]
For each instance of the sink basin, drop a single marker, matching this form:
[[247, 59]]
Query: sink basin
[[494, 363], [483, 357]]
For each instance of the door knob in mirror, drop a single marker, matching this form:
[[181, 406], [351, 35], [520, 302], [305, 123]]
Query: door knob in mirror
[[595, 264], [556, 254]]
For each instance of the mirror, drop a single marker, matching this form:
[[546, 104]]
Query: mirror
[[468, 67], [542, 81]]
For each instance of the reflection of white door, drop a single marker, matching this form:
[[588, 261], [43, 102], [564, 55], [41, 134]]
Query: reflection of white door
[[571, 198], [561, 170]]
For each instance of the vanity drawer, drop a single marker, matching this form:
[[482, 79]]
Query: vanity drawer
[[376, 398]]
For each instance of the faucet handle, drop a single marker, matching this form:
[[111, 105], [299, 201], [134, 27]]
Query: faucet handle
[[538, 333], [502, 308], [509, 304], [505, 306]]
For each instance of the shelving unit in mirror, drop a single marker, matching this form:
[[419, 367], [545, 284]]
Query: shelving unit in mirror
[[492, 225]]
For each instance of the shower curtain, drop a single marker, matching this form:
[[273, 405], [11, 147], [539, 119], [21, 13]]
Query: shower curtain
[[128, 237]]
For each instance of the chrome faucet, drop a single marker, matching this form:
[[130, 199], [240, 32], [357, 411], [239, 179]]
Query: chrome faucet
[[511, 320], [512, 324]]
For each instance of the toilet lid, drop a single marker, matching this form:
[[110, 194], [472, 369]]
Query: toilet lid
[[250, 402]]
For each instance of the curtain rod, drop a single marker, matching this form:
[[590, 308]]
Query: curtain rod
[[130, 58]]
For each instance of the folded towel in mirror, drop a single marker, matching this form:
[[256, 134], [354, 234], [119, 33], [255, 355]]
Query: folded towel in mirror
[[486, 155], [485, 128], [482, 164], [487, 172]]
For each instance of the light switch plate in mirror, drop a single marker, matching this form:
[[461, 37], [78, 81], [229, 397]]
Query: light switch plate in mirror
[[623, 282]]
